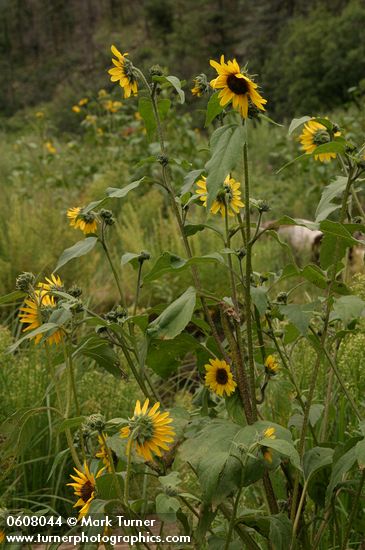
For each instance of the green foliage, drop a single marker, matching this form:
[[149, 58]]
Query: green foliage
[[316, 60]]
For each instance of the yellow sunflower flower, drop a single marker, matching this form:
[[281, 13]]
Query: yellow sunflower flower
[[36, 312], [123, 73], [149, 430], [236, 87], [313, 135], [52, 283], [230, 195], [201, 85], [84, 487], [51, 149], [266, 451], [112, 106], [219, 377], [271, 365], [76, 109], [102, 453], [86, 222], [83, 101]]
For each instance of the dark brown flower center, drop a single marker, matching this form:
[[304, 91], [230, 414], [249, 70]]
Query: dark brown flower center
[[237, 85], [87, 490], [222, 376]]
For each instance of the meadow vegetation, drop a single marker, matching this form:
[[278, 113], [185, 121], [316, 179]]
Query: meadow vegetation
[[139, 248]]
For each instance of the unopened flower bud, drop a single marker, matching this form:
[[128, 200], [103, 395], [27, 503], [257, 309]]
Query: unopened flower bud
[[25, 281], [156, 70], [163, 160], [263, 206], [96, 422]]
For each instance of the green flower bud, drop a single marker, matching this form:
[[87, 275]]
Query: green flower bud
[[25, 281]]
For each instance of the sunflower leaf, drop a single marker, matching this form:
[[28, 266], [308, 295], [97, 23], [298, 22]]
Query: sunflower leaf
[[145, 108], [214, 108], [330, 192], [79, 249], [175, 317], [225, 146], [296, 122], [171, 263], [120, 193]]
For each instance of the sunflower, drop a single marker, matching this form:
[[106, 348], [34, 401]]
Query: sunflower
[[2, 536], [123, 72], [230, 194], [219, 377], [266, 451], [201, 85], [52, 283], [86, 222], [313, 135], [236, 87], [102, 453], [84, 487], [37, 311], [149, 429], [76, 109], [271, 365]]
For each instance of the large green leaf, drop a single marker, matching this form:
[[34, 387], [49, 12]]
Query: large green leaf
[[348, 308], [284, 447], [330, 192], [360, 453], [214, 108], [341, 467], [79, 249], [259, 298], [47, 329], [120, 193], [299, 315], [296, 122], [225, 146], [210, 455], [101, 352], [175, 317], [336, 237], [145, 108], [164, 356], [171, 81], [171, 263], [316, 459]]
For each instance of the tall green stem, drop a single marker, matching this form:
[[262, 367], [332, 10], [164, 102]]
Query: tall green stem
[[247, 289], [114, 271]]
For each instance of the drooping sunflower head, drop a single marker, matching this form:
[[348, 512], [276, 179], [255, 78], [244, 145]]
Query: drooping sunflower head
[[201, 85], [123, 72], [313, 135], [236, 87], [149, 430], [37, 310], [103, 454], [219, 378], [271, 365], [84, 485], [88, 222], [228, 197]]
